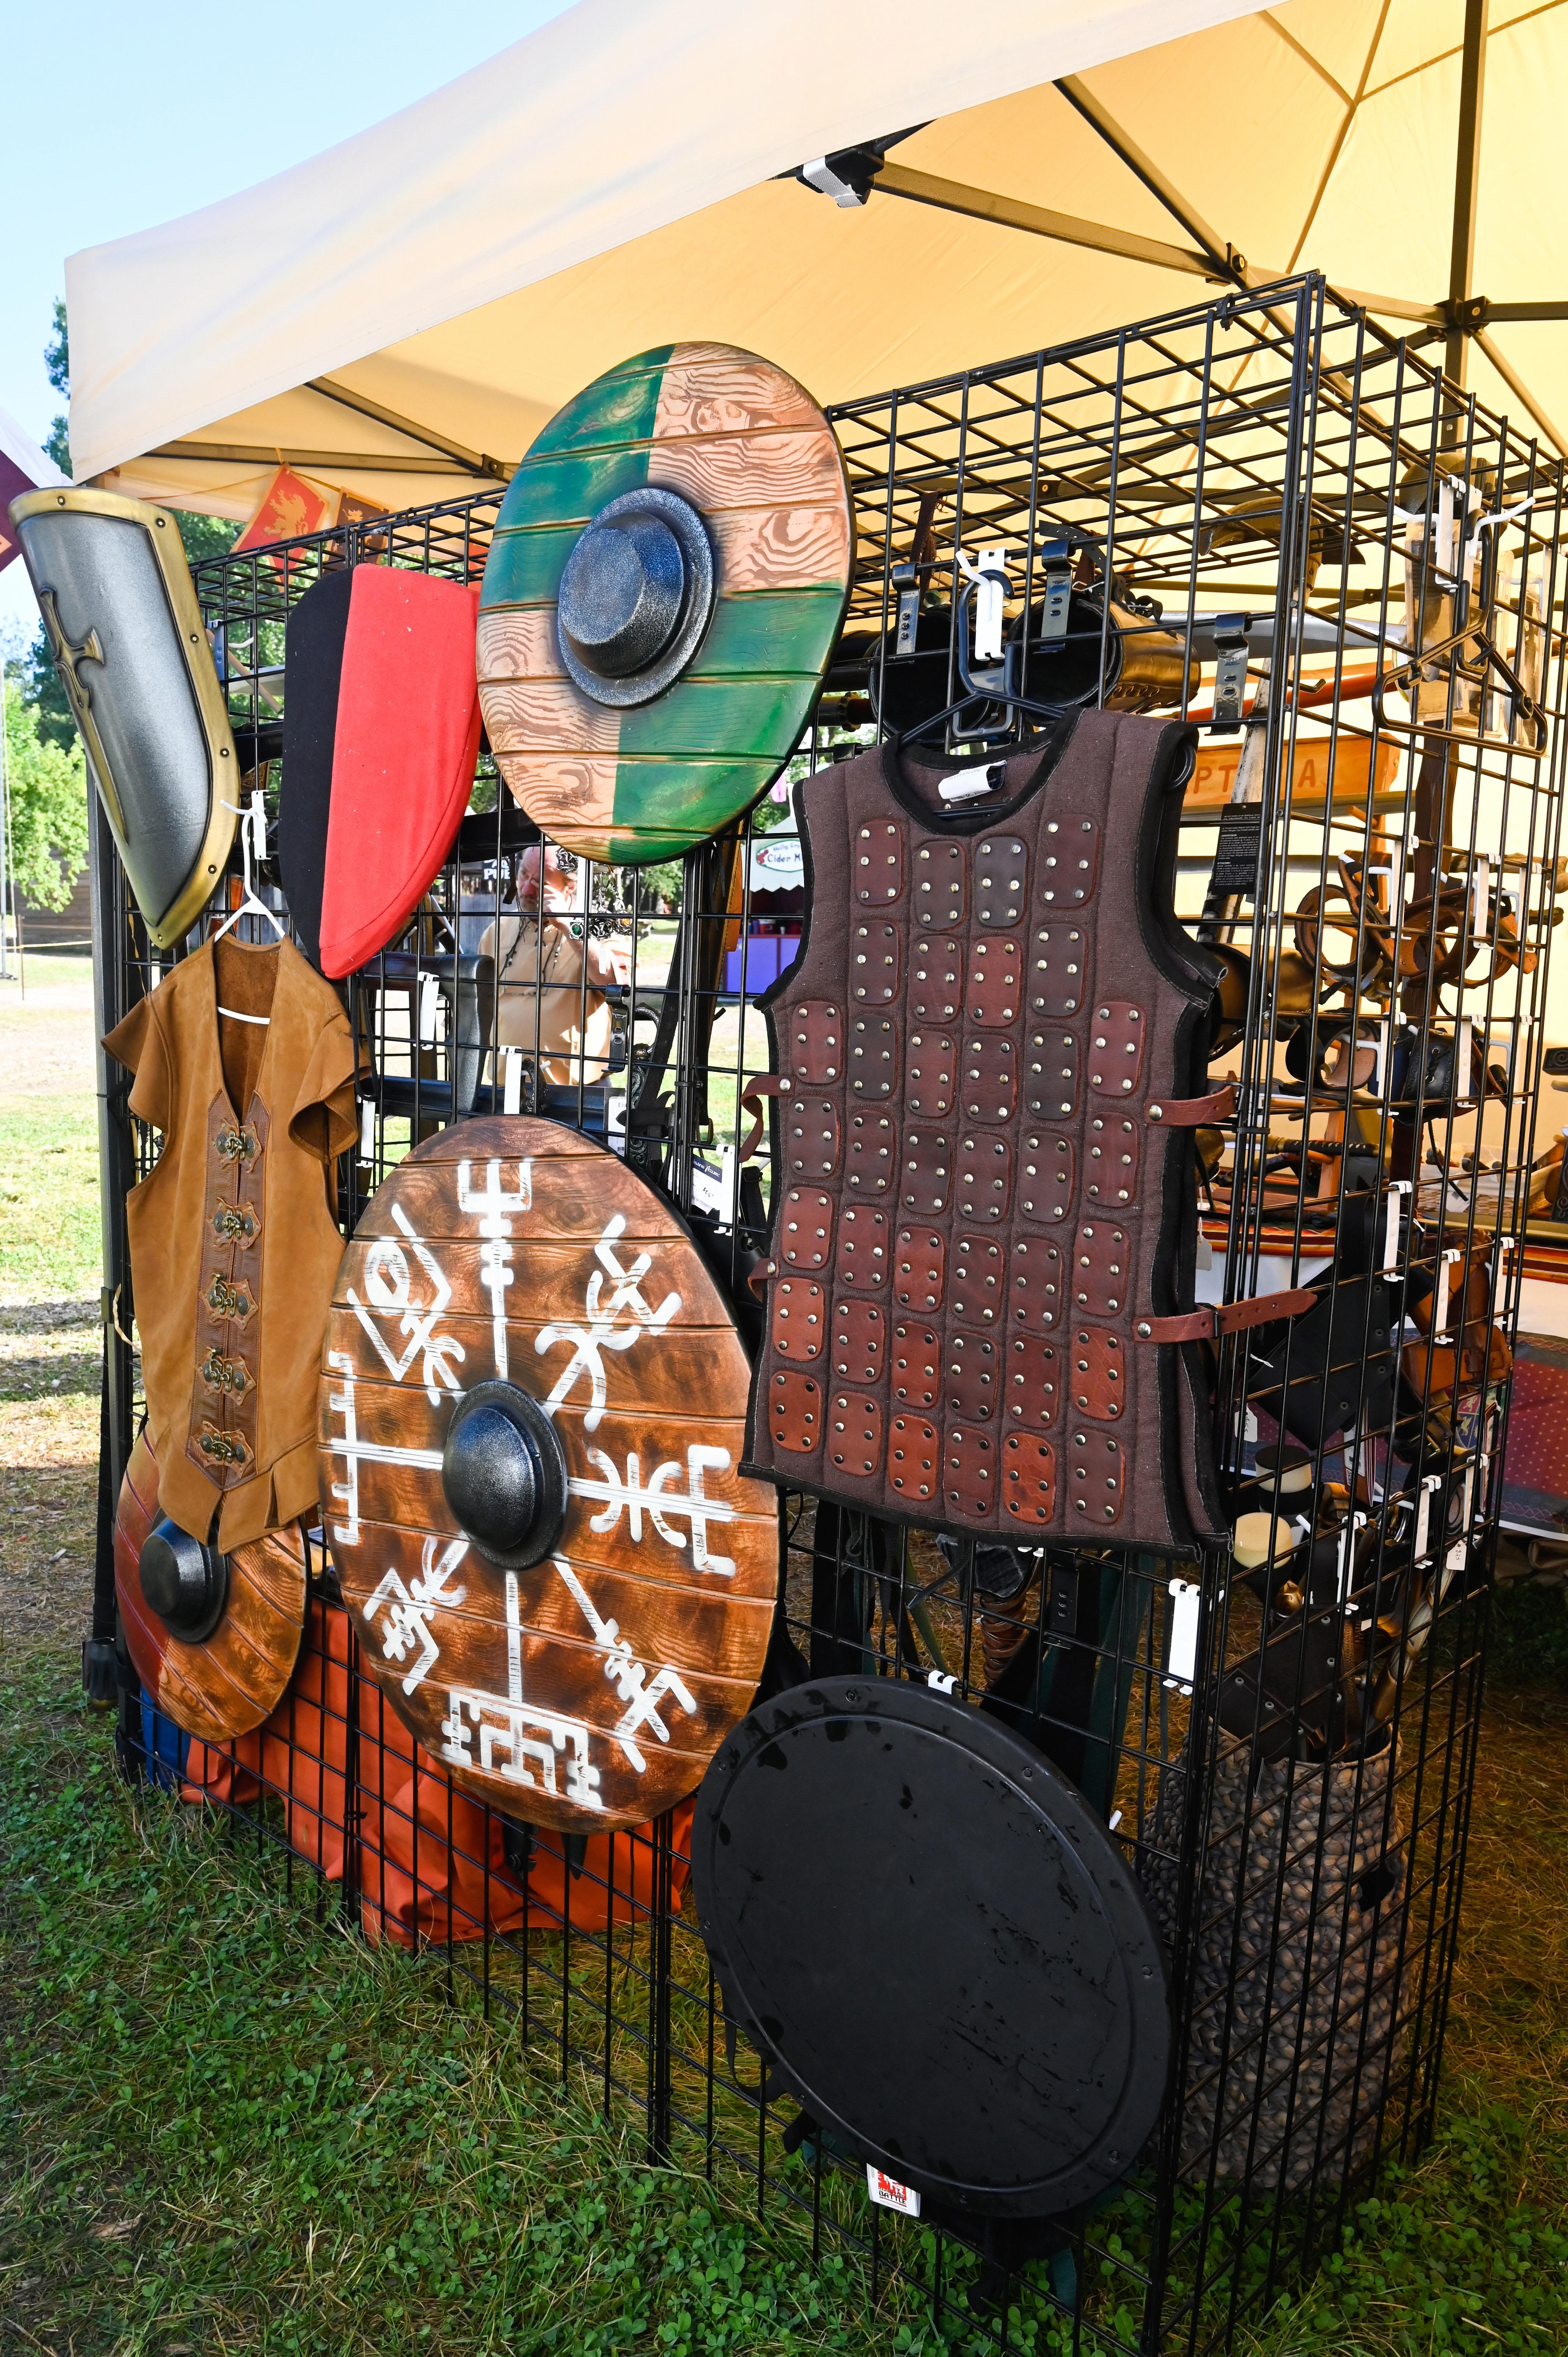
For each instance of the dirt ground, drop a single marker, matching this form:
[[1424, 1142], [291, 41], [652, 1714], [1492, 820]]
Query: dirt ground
[[46, 1029]]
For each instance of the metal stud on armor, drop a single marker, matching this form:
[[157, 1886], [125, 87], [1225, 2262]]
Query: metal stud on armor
[[990, 1056]]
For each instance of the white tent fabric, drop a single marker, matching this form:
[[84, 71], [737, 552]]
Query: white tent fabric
[[610, 183], [23, 468], [26, 456], [619, 118]]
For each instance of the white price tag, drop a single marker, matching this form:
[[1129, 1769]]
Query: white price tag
[[888, 2194], [511, 1099], [367, 1129]]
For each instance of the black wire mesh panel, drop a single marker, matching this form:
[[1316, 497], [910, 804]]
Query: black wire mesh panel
[[1265, 516]]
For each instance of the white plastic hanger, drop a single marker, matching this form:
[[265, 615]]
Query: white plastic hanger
[[252, 845]]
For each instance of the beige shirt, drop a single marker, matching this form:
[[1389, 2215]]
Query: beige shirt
[[542, 1005]]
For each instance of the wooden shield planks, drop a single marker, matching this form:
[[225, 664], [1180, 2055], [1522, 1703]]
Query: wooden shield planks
[[588, 1691], [750, 449], [234, 1679]]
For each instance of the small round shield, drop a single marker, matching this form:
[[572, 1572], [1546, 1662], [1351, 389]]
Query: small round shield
[[933, 1938], [533, 1409], [214, 1638], [668, 577]]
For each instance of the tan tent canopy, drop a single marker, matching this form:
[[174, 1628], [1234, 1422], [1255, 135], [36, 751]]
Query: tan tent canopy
[[400, 316]]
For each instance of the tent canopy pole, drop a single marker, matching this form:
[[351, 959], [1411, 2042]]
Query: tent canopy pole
[[1466, 184]]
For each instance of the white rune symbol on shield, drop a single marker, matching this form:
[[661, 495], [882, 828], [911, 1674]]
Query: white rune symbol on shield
[[640, 1693], [634, 1498], [519, 1739], [495, 1254], [409, 1610], [389, 1285], [601, 1332]]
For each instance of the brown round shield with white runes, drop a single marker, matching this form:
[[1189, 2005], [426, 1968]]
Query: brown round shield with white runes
[[532, 1405]]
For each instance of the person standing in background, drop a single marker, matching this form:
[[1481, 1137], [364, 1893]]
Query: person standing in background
[[550, 971]]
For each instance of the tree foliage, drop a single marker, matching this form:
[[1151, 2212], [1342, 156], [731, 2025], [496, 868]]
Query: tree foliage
[[48, 785], [42, 692], [204, 535], [57, 351], [57, 362], [40, 681]]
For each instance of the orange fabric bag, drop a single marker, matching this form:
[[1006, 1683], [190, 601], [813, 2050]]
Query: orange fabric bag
[[305, 1744], [431, 1866], [426, 1852]]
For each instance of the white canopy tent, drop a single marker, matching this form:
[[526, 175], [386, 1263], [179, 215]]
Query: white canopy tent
[[23, 468], [400, 316]]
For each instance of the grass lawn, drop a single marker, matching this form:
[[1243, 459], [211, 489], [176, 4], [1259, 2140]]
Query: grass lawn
[[227, 2128], [50, 1246]]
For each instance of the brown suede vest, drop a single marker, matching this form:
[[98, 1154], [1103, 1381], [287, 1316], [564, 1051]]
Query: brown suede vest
[[977, 1203], [234, 1242]]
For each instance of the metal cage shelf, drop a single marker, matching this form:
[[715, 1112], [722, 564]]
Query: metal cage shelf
[[1262, 513]]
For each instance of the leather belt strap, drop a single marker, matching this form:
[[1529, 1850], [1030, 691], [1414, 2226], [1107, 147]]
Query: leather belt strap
[[1211, 1319], [760, 1085], [1193, 1112]]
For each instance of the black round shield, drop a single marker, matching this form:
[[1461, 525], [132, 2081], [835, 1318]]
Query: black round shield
[[935, 1941]]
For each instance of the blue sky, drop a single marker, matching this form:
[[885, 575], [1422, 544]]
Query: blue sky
[[117, 118]]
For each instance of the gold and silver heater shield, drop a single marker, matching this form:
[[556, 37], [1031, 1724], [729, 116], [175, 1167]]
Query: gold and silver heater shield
[[125, 631]]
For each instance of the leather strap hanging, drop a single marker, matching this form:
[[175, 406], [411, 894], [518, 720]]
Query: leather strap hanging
[[1193, 1112], [1212, 1319], [760, 1085]]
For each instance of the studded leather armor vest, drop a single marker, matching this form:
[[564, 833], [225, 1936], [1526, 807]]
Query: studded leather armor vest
[[979, 1310]]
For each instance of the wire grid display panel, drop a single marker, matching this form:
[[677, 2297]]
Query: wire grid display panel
[[1260, 509]]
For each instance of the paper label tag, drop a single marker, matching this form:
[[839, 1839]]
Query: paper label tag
[[367, 1129], [888, 2194], [1236, 853], [712, 1184], [964, 784], [512, 1095]]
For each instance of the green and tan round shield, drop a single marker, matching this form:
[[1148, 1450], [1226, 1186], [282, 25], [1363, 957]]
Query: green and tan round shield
[[667, 578]]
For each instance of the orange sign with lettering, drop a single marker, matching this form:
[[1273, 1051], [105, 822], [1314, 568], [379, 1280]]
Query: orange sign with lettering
[[1214, 779]]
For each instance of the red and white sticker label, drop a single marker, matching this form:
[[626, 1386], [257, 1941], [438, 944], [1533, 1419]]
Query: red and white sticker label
[[888, 2194]]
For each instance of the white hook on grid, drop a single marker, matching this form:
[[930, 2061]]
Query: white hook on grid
[[1503, 517], [252, 849], [992, 585]]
